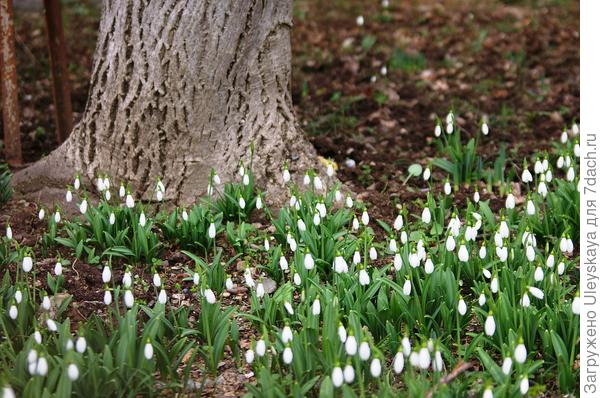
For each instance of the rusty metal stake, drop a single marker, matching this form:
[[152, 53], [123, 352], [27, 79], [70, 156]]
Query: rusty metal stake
[[8, 81], [63, 112]]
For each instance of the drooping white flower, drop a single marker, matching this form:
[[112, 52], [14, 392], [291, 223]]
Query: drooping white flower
[[398, 222], [18, 296], [482, 252], [525, 302], [261, 347], [13, 312], [482, 300], [576, 305], [337, 377], [41, 214], [340, 265], [351, 345], [571, 174], [212, 230], [463, 253], [318, 183], [375, 367], [73, 372], [42, 366], [286, 334], [429, 267], [398, 364], [438, 130], [342, 334], [51, 325], [507, 365], [426, 215], [228, 283], [530, 253], [111, 218], [210, 296], [107, 297], [561, 268], [526, 177], [106, 274], [490, 325], [283, 263], [447, 188], [57, 217], [524, 385], [46, 303], [438, 362], [364, 218], [297, 279], [349, 374], [286, 176], [510, 201], [80, 344], [162, 297], [316, 307], [520, 353], [450, 243], [536, 292], [355, 224], [407, 287], [462, 307], [363, 277], [406, 346], [372, 253], [424, 358], [427, 174], [249, 355], [485, 128], [260, 290], [129, 202], [360, 20], [476, 197], [128, 298], [494, 285], [148, 350], [242, 203], [288, 355]]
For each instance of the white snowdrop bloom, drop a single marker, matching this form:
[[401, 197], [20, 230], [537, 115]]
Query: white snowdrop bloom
[[561, 268], [337, 377], [106, 274], [148, 350], [349, 374], [413, 259], [407, 287], [550, 261], [51, 325], [107, 297], [210, 296], [462, 307], [260, 290], [424, 358], [9, 233], [393, 245], [342, 333], [510, 201], [259, 203], [490, 325], [360, 20], [537, 167], [69, 196], [338, 196], [363, 277], [122, 191], [216, 179], [485, 128], [129, 202], [288, 355], [529, 239], [18, 296], [340, 265], [447, 188], [398, 363], [58, 268], [267, 245], [128, 298], [524, 385], [107, 195], [249, 355], [385, 3], [536, 292], [530, 207], [309, 262], [526, 177], [32, 356], [41, 214], [364, 218], [560, 162], [46, 305], [506, 365], [286, 334], [111, 219], [406, 346], [73, 372], [403, 237], [545, 164], [482, 252], [329, 171], [502, 253], [548, 175], [228, 284], [156, 279], [261, 348], [530, 253], [571, 174], [162, 297], [520, 353], [375, 367], [13, 312], [427, 174], [317, 218], [372, 253], [525, 302], [351, 345], [504, 230], [355, 224], [564, 137], [316, 307], [83, 206], [301, 225], [127, 280], [487, 274], [306, 179], [449, 128], [482, 300], [212, 230], [364, 351], [383, 70], [57, 217], [42, 366], [246, 179], [297, 279], [576, 305], [494, 285], [438, 362], [542, 188], [450, 243], [414, 359], [429, 267], [209, 189], [470, 233], [564, 245], [80, 344], [322, 209], [77, 183], [397, 262], [426, 215], [577, 150], [283, 263], [318, 183], [106, 182], [575, 129], [242, 203], [37, 336], [398, 222], [286, 176], [292, 243], [476, 197], [100, 184], [463, 254], [438, 130], [160, 186], [488, 393]]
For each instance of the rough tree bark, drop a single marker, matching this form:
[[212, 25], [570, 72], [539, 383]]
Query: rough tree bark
[[178, 87]]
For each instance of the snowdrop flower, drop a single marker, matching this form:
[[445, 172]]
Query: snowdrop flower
[[57, 217], [13, 312], [414, 359], [32, 356], [297, 279], [261, 348], [106, 274], [301, 225], [393, 246], [364, 350], [426, 174], [438, 130], [504, 230], [246, 179], [69, 195], [530, 207], [447, 188], [309, 262], [536, 292], [337, 377], [426, 215], [507, 365], [398, 222], [363, 277], [502, 253], [286, 335], [156, 279], [46, 305], [77, 182], [338, 196], [564, 137], [80, 344], [406, 289], [510, 201], [364, 218], [438, 362], [58, 268], [260, 290], [355, 224], [122, 191], [490, 325], [524, 385], [360, 20], [463, 253], [372, 253], [482, 252], [162, 297], [42, 366], [526, 177], [429, 267], [318, 183], [111, 218], [18, 296], [228, 284], [107, 195], [576, 305], [549, 175], [577, 149], [385, 3], [107, 297], [349, 373], [487, 393], [424, 358], [545, 164], [259, 202], [462, 307], [286, 176], [520, 352], [570, 174], [525, 302], [127, 280], [212, 230], [449, 128], [397, 262], [482, 300], [249, 356], [51, 325], [561, 268], [283, 263], [242, 203], [128, 298], [342, 333], [398, 364], [575, 129], [292, 242], [485, 128], [73, 372], [41, 214], [340, 265], [494, 285], [129, 202], [476, 197], [486, 273], [351, 345], [349, 202], [450, 243], [413, 259], [560, 162], [542, 188], [210, 296], [530, 253], [375, 367], [550, 261], [306, 179], [316, 307], [288, 356], [406, 346], [148, 350]]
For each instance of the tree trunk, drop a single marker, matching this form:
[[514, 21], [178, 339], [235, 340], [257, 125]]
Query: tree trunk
[[179, 87]]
